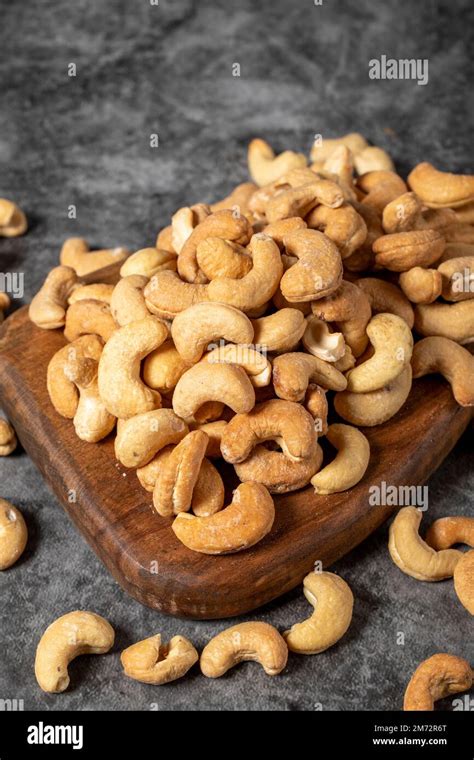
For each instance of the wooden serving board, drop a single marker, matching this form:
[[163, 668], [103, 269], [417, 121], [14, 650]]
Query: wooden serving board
[[115, 516]]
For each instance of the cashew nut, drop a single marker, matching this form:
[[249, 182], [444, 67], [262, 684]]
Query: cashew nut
[[339, 166], [453, 320], [92, 421], [323, 149], [89, 317], [163, 242], [333, 602], [222, 258], [301, 199], [412, 555], [140, 437], [48, 308], [166, 294], [98, 291], [374, 407], [214, 431], [402, 214], [63, 393], [283, 227], [197, 326], [276, 471], [76, 254], [447, 531], [455, 363], [8, 441], [292, 373], [316, 403], [319, 341], [184, 221], [439, 676], [147, 262], [372, 159], [163, 367], [68, 637], [13, 534], [120, 386], [128, 302], [381, 187], [343, 225], [255, 642], [255, 364], [421, 285], [265, 167], [12, 219], [457, 278], [151, 662], [238, 199], [387, 298], [438, 189], [401, 251], [247, 519], [349, 465], [464, 581], [317, 273], [349, 308], [280, 331], [220, 382]]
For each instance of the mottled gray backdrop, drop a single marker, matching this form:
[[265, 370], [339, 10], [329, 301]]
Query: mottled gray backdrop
[[167, 69]]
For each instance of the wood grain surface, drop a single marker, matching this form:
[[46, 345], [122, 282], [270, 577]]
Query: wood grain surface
[[115, 515]]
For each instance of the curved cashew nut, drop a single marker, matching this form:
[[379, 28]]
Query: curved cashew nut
[[97, 291], [63, 393], [76, 254], [151, 662], [8, 441], [320, 342], [412, 555], [457, 278], [147, 262], [439, 676], [300, 200], [451, 360], [447, 531], [276, 471], [89, 317], [438, 189], [214, 431], [392, 341], [421, 285], [221, 382], [13, 534], [68, 637], [317, 273], [374, 407], [333, 602], [197, 326], [349, 308], [464, 581], [163, 367], [283, 227], [238, 199], [120, 387], [140, 437], [259, 285], [265, 167], [166, 294], [402, 214], [222, 258], [381, 187], [387, 298], [255, 364], [316, 403], [92, 421], [349, 465], [254, 642], [339, 166], [280, 331], [372, 159], [343, 225], [401, 251], [48, 307], [128, 302], [453, 320], [184, 221], [12, 219], [247, 519], [292, 373], [323, 149], [289, 424]]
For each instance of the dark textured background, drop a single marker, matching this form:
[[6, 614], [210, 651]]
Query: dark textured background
[[85, 141]]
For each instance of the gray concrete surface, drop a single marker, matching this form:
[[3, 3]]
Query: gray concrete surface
[[85, 140]]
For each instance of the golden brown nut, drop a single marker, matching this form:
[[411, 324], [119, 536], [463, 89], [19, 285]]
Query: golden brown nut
[[350, 463], [403, 250], [204, 382], [88, 317], [439, 676], [222, 258], [343, 225], [438, 189], [13, 534], [349, 308], [128, 302], [204, 323], [147, 262], [140, 437], [63, 393], [178, 475], [97, 291], [317, 273], [8, 441], [92, 421], [167, 294], [265, 166], [457, 278], [294, 371], [374, 407], [12, 219], [48, 308], [76, 254], [387, 297], [464, 581], [421, 285], [280, 331], [278, 472], [449, 320], [454, 362], [150, 661], [448, 531], [257, 642]]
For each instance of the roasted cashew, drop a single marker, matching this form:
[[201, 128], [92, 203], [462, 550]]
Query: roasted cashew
[[347, 361], [197, 326], [402, 214], [454, 362], [323, 149], [392, 342], [439, 676], [381, 187], [163, 242], [63, 392], [280, 331], [412, 555], [343, 225], [92, 421], [89, 317], [317, 273], [457, 276], [349, 308], [214, 431], [456, 251], [13, 534], [48, 308], [447, 531], [76, 254], [438, 189], [247, 519], [151, 662], [238, 199], [255, 364], [140, 437], [221, 382], [421, 285], [374, 407], [339, 166], [449, 320], [464, 581], [12, 219], [98, 291], [319, 341], [300, 200], [8, 441], [163, 367], [276, 471], [184, 221], [259, 285], [350, 463], [166, 294], [292, 373], [254, 642], [128, 302], [68, 637], [266, 167], [283, 227], [222, 258], [372, 159], [364, 258], [316, 403], [386, 297], [120, 386], [147, 262], [285, 422], [465, 213], [333, 602], [403, 250]]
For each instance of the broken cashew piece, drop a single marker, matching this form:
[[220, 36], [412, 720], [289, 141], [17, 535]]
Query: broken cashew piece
[[247, 520], [12, 219], [48, 308], [439, 676], [13, 534], [421, 285], [464, 581], [68, 637], [447, 531], [150, 661], [319, 341], [197, 326], [349, 307], [201, 383], [255, 642], [265, 167], [412, 555], [350, 463], [92, 421], [8, 440], [333, 602], [140, 437], [451, 360]]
